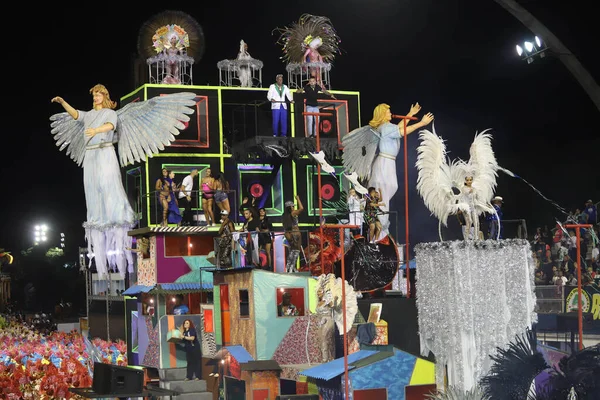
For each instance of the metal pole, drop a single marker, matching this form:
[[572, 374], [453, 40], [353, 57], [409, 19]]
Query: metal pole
[[342, 228], [406, 249], [316, 120], [577, 228]]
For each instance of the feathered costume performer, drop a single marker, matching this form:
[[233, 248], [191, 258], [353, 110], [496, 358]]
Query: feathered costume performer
[[332, 295], [141, 129], [173, 39], [475, 180], [312, 42]]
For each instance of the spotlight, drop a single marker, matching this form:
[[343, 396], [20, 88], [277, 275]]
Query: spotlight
[[528, 46], [538, 42], [519, 50]]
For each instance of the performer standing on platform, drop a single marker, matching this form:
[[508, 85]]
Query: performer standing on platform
[[193, 353], [371, 152], [292, 232], [185, 197], [495, 220], [244, 73], [89, 137], [311, 93], [277, 95], [356, 206]]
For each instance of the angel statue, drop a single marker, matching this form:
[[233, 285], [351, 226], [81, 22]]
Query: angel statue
[[312, 40], [370, 154], [474, 180], [141, 129]]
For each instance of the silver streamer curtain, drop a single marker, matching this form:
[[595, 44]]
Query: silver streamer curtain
[[472, 297]]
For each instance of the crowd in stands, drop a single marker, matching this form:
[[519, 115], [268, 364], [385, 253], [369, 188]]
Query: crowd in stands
[[555, 250]]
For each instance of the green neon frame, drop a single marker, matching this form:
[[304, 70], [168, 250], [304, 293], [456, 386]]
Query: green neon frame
[[309, 187]]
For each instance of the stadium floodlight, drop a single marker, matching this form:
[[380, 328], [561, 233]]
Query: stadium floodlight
[[528, 46], [519, 50], [538, 41]]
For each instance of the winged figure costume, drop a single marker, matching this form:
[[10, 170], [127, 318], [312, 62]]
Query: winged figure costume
[[370, 153], [438, 178], [140, 129]]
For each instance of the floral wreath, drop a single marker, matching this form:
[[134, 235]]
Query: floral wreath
[[162, 38]]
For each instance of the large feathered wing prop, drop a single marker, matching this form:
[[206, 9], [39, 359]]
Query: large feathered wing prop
[[68, 133], [146, 127], [483, 164], [360, 147], [435, 177]]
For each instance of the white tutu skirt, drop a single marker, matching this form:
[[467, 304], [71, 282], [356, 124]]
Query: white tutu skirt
[[109, 214]]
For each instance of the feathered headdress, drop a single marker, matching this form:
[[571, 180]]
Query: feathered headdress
[[310, 29], [160, 29]]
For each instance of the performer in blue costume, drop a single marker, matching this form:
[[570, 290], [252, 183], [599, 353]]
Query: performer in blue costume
[[495, 220], [141, 129], [371, 152]]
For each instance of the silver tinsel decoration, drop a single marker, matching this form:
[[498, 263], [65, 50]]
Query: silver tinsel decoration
[[473, 297]]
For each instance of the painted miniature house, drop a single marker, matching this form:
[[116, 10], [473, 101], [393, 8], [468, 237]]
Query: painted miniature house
[[373, 375], [174, 283], [262, 379], [248, 301]]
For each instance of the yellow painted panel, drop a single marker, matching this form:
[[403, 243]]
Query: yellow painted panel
[[423, 373], [312, 387]]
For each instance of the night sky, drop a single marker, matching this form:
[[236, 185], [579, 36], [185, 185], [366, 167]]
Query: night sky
[[456, 58]]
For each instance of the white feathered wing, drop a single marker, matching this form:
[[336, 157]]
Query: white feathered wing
[[484, 166], [68, 133], [435, 177], [146, 127]]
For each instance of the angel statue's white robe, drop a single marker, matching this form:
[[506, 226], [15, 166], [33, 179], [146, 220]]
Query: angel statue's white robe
[[109, 214], [383, 172]]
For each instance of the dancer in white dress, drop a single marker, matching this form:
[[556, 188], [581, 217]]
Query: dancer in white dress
[[141, 129], [244, 73]]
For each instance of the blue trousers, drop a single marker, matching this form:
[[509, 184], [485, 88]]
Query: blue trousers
[[279, 121]]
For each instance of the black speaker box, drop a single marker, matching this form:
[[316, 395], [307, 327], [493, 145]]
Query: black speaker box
[[115, 380], [298, 397]]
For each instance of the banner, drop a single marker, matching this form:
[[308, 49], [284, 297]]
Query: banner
[[590, 300]]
